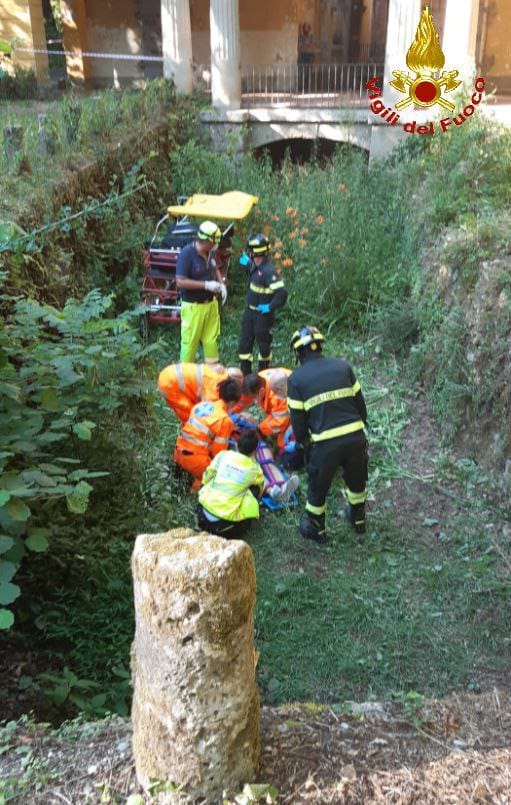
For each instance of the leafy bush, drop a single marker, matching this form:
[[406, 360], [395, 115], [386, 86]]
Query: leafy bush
[[69, 378]]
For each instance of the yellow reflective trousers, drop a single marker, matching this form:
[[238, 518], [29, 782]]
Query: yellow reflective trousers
[[200, 324]]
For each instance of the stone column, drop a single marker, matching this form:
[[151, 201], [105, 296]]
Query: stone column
[[403, 19], [195, 703], [74, 36], [401, 28], [176, 33], [39, 42], [225, 53], [22, 21], [460, 31]]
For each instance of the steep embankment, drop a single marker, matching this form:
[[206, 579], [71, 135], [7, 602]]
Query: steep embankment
[[470, 271]]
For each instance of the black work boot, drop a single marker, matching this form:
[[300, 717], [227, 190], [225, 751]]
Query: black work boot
[[313, 527], [246, 367], [263, 364], [355, 515]]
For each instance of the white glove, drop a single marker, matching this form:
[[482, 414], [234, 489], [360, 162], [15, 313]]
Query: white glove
[[213, 286], [223, 293]]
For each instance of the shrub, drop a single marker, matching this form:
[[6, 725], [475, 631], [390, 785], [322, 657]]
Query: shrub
[[69, 378], [21, 85]]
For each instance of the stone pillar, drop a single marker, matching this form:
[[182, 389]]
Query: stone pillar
[[401, 28], [23, 22], [74, 36], [195, 703], [176, 35], [402, 24], [39, 41], [224, 25], [460, 32]]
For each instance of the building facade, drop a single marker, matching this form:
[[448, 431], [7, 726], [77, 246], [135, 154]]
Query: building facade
[[223, 40]]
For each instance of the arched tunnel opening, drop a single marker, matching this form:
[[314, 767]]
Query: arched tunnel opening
[[303, 150]]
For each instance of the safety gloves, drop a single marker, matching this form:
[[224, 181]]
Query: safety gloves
[[263, 308], [213, 286], [217, 287]]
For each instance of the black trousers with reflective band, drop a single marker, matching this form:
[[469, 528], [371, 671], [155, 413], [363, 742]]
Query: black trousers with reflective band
[[255, 326], [349, 453], [223, 528]]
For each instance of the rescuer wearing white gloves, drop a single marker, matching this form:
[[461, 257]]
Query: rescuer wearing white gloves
[[199, 281]]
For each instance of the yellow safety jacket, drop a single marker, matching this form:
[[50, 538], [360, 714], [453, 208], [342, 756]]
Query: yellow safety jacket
[[226, 493]]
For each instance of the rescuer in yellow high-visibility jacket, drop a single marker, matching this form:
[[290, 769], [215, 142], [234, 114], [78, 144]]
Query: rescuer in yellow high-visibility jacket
[[233, 482]]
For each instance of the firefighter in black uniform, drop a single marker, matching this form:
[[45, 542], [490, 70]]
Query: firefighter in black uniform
[[266, 293], [328, 415]]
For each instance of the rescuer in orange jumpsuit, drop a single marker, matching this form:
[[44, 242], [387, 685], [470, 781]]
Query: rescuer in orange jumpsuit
[[183, 385], [269, 390], [207, 431]]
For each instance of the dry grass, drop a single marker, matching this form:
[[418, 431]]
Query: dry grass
[[460, 753]]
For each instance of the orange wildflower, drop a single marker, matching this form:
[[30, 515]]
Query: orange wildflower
[[305, 230], [278, 244], [287, 262], [302, 242], [341, 187], [277, 255], [292, 234], [291, 212], [320, 219], [267, 229]]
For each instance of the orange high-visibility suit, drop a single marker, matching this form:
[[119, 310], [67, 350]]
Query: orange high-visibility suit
[[277, 418], [206, 433], [183, 385]]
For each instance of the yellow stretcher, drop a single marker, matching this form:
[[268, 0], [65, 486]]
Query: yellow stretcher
[[233, 205]]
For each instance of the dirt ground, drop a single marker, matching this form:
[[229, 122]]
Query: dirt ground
[[456, 751]]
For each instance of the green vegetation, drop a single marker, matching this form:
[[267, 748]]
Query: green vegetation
[[64, 137], [386, 262], [20, 85], [66, 375]]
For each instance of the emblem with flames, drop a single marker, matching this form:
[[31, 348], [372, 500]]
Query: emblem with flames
[[425, 58]]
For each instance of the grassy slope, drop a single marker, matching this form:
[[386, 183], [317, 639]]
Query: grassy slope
[[408, 607]]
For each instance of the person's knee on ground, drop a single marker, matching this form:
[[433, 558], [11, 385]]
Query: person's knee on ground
[[292, 461], [194, 464], [223, 528]]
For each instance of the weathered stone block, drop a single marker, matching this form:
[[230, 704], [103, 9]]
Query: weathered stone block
[[196, 704]]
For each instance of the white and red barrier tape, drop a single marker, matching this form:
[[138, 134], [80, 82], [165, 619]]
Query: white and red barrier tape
[[75, 53]]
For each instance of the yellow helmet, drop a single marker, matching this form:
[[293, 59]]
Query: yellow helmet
[[208, 230]]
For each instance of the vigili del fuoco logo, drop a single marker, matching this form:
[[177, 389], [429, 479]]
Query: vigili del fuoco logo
[[425, 87]]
